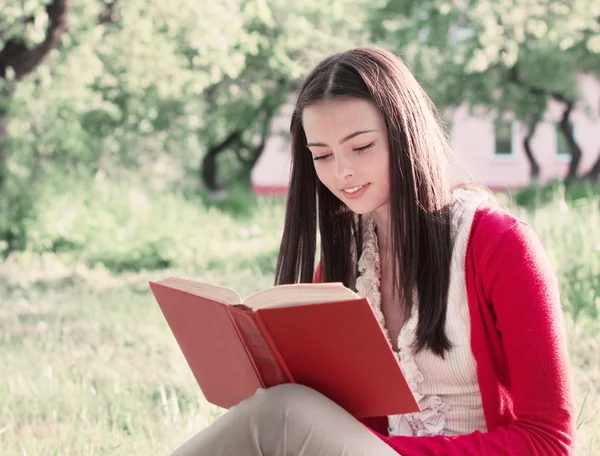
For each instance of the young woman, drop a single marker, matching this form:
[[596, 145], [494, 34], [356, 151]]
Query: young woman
[[463, 290]]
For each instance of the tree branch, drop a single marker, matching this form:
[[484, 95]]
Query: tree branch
[[564, 124], [567, 131], [209, 162], [23, 60], [531, 128], [594, 173]]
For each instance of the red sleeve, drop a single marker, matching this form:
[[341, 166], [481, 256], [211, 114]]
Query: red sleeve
[[516, 280]]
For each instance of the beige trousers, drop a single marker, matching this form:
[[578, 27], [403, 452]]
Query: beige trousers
[[286, 420]]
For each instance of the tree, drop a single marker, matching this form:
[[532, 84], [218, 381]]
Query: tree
[[24, 43], [502, 55], [589, 49], [116, 85], [128, 86], [286, 38], [27, 35]]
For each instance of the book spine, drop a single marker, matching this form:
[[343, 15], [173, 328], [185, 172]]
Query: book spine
[[280, 361], [232, 313], [265, 357]]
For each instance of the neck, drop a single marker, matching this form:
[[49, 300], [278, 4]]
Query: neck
[[382, 219]]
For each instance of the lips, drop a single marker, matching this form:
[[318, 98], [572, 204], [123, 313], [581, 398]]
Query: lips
[[355, 191]]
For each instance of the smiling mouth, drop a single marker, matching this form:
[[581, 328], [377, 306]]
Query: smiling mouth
[[353, 189], [355, 192]]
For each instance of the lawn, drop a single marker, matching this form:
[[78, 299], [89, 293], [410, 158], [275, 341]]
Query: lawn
[[89, 366]]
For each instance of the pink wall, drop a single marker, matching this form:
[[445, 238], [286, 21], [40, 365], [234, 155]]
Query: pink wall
[[473, 139]]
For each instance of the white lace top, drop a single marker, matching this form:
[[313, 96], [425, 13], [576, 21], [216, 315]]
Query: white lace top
[[447, 389]]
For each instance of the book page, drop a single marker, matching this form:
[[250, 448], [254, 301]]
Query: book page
[[301, 293], [211, 291]]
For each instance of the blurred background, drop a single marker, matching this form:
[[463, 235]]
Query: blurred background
[[140, 140]]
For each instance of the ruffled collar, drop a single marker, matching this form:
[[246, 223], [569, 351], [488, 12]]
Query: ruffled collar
[[431, 419], [368, 285]]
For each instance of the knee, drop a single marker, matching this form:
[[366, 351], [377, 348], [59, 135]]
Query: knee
[[289, 392], [287, 400]]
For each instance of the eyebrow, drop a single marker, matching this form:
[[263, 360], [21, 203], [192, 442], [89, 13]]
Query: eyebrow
[[344, 139]]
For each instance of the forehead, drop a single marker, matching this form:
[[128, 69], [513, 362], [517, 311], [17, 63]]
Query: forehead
[[340, 116]]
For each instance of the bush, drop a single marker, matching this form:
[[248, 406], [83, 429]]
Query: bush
[[567, 220], [536, 196], [126, 227]]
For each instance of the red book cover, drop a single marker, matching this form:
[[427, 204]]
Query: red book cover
[[210, 344], [337, 348]]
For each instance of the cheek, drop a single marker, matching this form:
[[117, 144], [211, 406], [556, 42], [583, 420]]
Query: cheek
[[384, 167], [327, 176]]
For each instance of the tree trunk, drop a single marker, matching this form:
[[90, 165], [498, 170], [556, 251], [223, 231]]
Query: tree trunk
[[256, 151], [534, 172], [567, 131], [3, 153], [24, 60], [209, 162], [564, 123], [594, 173]]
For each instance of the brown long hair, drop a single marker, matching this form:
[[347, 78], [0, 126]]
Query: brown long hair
[[419, 191]]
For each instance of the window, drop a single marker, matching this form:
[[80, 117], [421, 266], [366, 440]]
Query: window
[[504, 134], [562, 146]]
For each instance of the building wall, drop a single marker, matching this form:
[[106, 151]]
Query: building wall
[[473, 137]]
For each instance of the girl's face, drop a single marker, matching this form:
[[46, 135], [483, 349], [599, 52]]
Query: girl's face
[[347, 138]]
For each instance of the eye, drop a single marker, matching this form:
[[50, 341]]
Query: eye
[[364, 148], [321, 157]]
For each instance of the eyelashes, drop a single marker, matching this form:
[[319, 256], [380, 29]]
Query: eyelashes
[[360, 150], [364, 148]]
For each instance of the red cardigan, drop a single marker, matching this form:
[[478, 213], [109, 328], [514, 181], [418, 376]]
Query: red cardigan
[[519, 344]]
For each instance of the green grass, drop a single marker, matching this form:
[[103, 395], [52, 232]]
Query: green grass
[[89, 366]]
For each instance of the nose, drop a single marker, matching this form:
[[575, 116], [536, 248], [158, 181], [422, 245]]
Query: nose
[[344, 168]]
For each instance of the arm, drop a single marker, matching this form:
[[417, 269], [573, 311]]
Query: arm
[[515, 279]]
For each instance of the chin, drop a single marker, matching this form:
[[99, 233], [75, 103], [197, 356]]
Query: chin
[[368, 207], [361, 209]]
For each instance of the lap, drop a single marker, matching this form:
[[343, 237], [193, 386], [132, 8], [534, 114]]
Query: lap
[[290, 420]]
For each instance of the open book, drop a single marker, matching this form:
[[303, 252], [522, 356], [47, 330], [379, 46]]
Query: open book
[[321, 335]]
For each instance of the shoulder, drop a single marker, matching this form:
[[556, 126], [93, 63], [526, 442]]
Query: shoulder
[[502, 244], [493, 226], [481, 221]]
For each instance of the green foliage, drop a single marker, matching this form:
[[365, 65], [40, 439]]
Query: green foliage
[[30, 32], [238, 202], [130, 86], [534, 197], [125, 226], [493, 54]]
